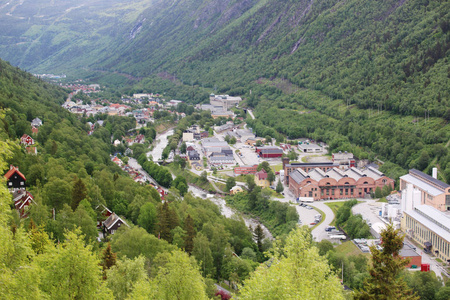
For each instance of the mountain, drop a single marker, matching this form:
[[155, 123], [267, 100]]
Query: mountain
[[338, 71]]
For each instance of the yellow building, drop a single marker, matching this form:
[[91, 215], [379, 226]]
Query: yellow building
[[236, 189], [430, 228], [261, 179]]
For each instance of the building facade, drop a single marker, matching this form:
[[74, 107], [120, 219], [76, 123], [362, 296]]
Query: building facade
[[247, 169], [288, 168], [426, 190], [337, 184], [430, 228]]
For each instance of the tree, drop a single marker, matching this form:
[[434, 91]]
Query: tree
[[180, 184], [294, 271], [190, 234], [204, 177], [378, 193], [71, 259], [233, 140], [183, 148], [202, 253], [279, 187], [122, 276], [271, 176], [177, 277], [230, 183], [259, 237], [384, 282], [147, 217], [250, 183], [264, 165], [167, 220], [109, 259]]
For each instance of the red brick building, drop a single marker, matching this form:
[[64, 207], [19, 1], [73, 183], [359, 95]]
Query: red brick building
[[337, 184], [247, 169], [269, 152], [288, 168]]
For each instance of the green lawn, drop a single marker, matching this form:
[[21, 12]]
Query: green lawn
[[323, 217]]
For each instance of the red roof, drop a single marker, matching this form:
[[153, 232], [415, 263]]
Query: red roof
[[262, 174], [11, 171]]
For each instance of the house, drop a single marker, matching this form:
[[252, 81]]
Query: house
[[204, 134], [112, 223], [224, 101], [22, 201], [261, 179], [269, 152], [246, 169], [252, 141], [193, 155], [117, 161], [116, 143], [344, 159], [32, 150], [309, 148], [409, 252], [236, 189], [36, 122], [188, 136], [15, 179], [34, 130], [26, 140], [103, 214]]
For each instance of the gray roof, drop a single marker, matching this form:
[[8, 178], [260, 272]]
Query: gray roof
[[310, 146], [297, 176], [214, 144], [270, 151], [429, 178], [433, 219], [322, 164], [422, 185]]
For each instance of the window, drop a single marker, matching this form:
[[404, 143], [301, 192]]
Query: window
[[10, 183], [22, 183]]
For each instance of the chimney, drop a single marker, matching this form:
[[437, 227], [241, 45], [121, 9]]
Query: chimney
[[434, 173]]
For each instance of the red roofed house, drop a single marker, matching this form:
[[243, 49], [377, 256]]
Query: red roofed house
[[26, 140], [261, 179], [15, 179], [22, 201], [104, 214], [34, 130]]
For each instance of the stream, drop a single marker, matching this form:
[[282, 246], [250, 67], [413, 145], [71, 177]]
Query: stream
[[228, 211]]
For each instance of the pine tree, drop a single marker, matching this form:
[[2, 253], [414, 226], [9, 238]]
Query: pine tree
[[259, 236], [79, 192], [167, 220], [109, 259], [384, 281], [279, 187], [190, 234]]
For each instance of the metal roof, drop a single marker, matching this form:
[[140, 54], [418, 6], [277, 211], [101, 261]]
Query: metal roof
[[440, 184], [433, 219], [297, 176], [428, 188]]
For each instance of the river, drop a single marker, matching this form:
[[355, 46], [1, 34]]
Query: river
[[162, 141], [228, 211]]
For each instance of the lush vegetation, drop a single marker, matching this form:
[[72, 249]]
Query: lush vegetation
[[354, 225], [280, 218]]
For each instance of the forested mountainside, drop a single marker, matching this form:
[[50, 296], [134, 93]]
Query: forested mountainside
[[371, 77]]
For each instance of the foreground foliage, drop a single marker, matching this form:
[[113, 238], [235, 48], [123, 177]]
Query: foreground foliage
[[294, 271]]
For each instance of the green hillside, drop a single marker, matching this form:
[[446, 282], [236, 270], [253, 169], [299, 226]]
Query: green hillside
[[368, 76]]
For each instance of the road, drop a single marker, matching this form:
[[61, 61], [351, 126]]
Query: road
[[135, 165], [319, 232]]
